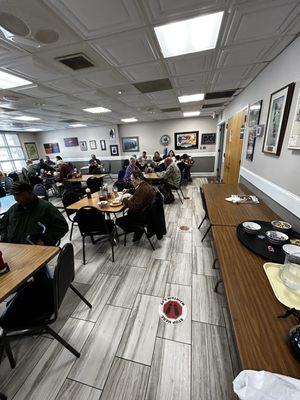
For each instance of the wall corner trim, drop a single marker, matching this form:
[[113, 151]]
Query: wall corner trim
[[286, 199]]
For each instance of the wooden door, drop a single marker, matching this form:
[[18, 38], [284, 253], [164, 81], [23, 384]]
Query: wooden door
[[234, 146]]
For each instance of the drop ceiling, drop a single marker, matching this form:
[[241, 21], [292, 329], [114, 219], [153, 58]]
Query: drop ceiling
[[118, 38]]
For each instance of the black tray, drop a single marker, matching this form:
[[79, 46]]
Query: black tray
[[260, 246]]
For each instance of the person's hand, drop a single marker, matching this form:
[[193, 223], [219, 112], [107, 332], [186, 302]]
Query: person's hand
[[40, 243], [125, 191]]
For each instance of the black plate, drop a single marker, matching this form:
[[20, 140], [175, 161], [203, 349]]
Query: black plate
[[260, 246]]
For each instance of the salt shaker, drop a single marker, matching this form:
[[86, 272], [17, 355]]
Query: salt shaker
[[88, 193]]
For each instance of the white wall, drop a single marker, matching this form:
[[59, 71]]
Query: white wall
[[86, 134], [149, 133], [283, 171]]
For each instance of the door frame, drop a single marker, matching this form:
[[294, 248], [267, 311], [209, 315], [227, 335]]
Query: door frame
[[221, 153]]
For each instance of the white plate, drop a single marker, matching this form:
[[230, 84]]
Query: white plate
[[291, 248]]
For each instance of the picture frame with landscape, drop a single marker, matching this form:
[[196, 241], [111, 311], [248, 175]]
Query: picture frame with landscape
[[130, 144], [31, 150], [279, 108], [254, 113], [186, 140], [294, 139]]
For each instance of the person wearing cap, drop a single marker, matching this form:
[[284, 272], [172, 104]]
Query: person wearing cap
[[22, 219]]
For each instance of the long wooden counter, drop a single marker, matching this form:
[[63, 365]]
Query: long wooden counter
[[261, 337]]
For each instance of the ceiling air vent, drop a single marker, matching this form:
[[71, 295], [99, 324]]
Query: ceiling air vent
[[173, 109], [153, 86], [219, 95], [69, 121], [215, 105], [76, 61]]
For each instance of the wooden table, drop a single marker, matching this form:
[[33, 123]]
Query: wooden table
[[23, 260], [94, 202], [222, 212], [261, 337], [5, 203], [84, 178], [152, 176]]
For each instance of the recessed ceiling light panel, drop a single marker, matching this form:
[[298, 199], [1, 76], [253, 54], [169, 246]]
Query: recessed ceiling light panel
[[8, 81], [189, 36], [97, 110], [27, 118], [191, 114], [191, 97], [77, 125], [129, 120]]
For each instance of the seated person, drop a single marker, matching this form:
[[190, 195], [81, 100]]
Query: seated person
[[65, 169], [44, 166], [94, 164], [143, 159], [130, 168], [157, 158], [172, 155], [22, 222], [171, 179], [32, 169], [161, 166], [140, 200], [121, 173], [49, 162], [6, 182], [188, 162]]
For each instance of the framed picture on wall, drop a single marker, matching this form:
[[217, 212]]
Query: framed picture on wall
[[279, 108], [186, 140], [251, 142], [93, 145], [51, 148], [294, 140], [254, 113], [71, 142], [114, 150], [31, 150], [130, 144], [83, 145], [208, 138], [102, 145], [112, 134]]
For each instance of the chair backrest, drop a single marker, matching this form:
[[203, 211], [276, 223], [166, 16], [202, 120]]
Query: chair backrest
[[25, 174], [2, 191], [94, 184], [63, 275], [121, 175], [14, 176], [69, 198], [91, 220], [40, 190], [203, 201]]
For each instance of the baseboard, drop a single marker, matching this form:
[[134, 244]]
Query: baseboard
[[201, 174], [286, 199]]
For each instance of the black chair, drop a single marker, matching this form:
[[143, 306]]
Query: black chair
[[107, 172], [25, 175], [178, 191], [205, 215], [94, 184], [2, 396], [91, 223], [40, 307], [69, 198], [14, 176], [40, 190], [2, 192], [34, 180]]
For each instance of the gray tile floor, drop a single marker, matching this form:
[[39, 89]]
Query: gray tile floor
[[127, 352]]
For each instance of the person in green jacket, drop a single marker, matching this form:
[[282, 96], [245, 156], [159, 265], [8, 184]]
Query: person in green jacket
[[32, 220]]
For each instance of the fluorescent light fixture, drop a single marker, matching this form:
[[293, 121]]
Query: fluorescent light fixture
[[34, 130], [77, 125], [97, 110], [129, 120], [189, 36], [191, 97], [191, 114], [9, 81], [27, 118]]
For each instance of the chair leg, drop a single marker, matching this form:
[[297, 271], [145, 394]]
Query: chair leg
[[177, 191], [214, 264], [181, 193], [217, 285], [71, 233], [83, 249], [204, 218], [7, 349], [112, 249], [125, 239], [149, 240], [206, 233], [80, 296], [62, 341], [2, 396]]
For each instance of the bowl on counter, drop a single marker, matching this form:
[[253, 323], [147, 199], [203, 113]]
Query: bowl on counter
[[281, 225], [252, 228], [290, 249], [276, 237]]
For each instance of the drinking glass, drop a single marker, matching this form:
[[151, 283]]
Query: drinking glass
[[290, 271]]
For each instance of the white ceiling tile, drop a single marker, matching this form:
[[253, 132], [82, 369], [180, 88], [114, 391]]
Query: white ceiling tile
[[104, 78], [165, 96], [67, 85], [191, 80], [127, 48], [191, 64], [98, 18], [144, 72], [258, 20], [37, 91], [139, 100], [125, 89]]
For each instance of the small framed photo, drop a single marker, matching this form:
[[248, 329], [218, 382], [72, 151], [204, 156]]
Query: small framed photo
[[93, 145], [131, 144], [31, 150], [254, 113], [83, 145], [259, 130], [208, 138], [71, 142], [51, 148], [114, 150], [251, 142], [102, 145]]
